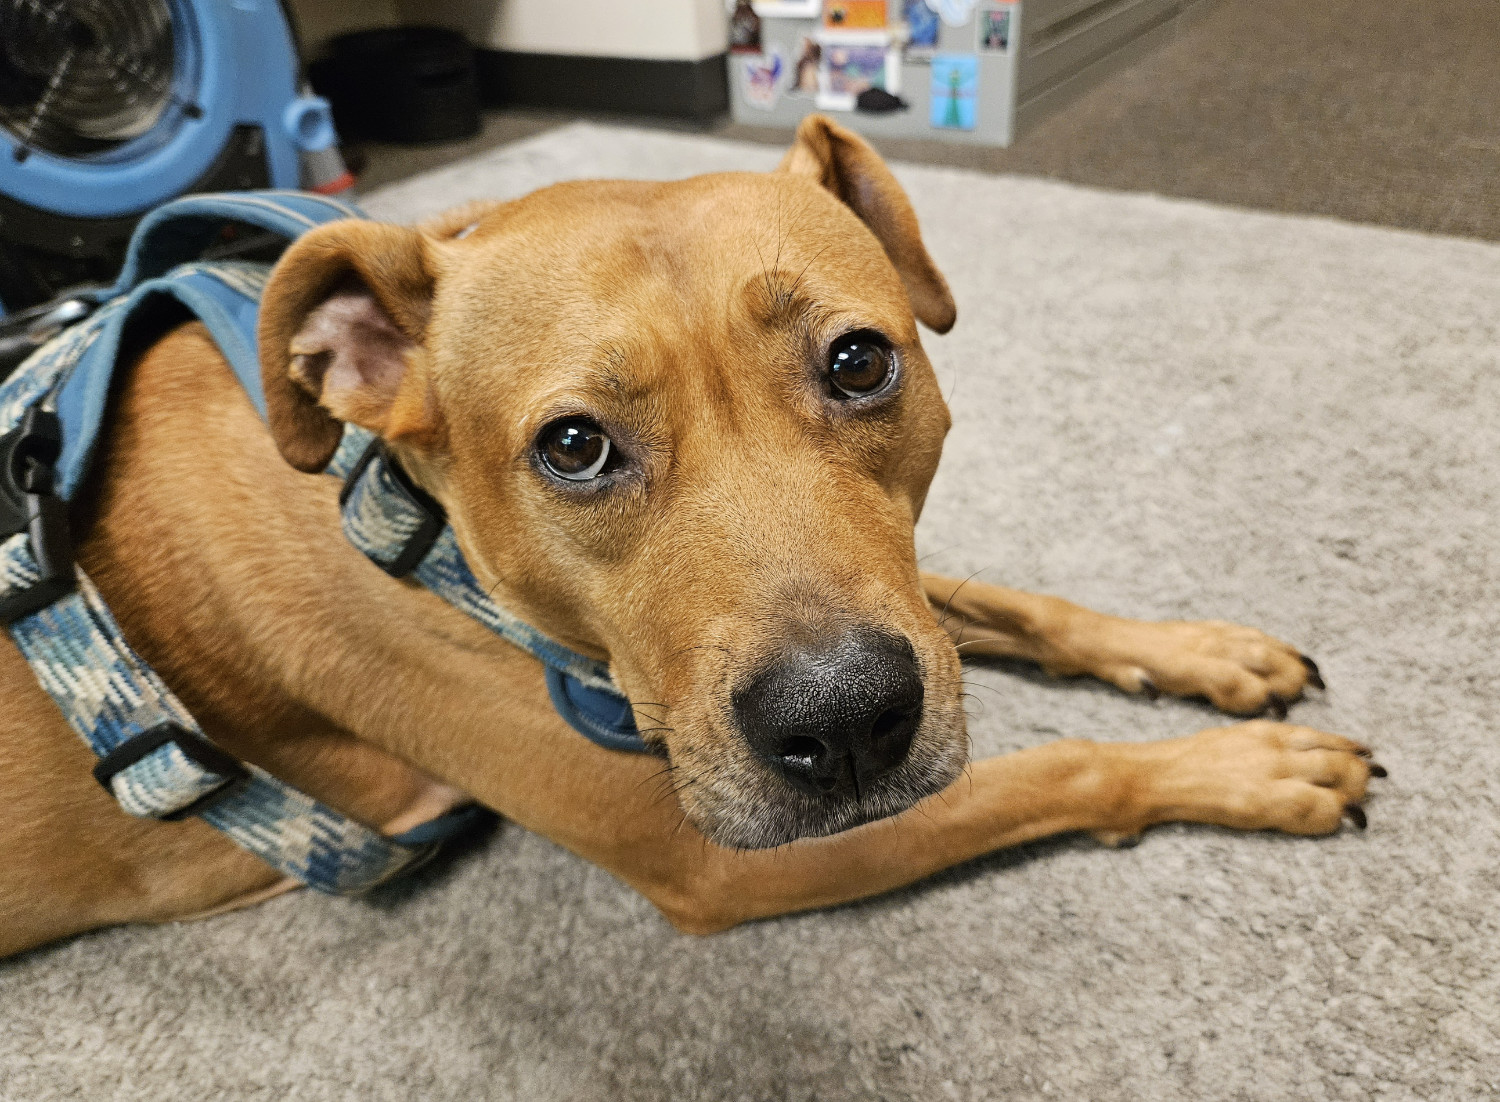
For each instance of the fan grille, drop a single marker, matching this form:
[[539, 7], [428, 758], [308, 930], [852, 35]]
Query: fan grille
[[81, 77]]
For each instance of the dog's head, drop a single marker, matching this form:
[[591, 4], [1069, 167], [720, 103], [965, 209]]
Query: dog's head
[[686, 427]]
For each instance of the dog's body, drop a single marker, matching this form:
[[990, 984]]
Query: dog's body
[[747, 561]]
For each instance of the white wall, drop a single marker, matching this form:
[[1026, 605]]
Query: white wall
[[686, 30]]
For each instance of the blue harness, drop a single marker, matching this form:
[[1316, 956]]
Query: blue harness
[[153, 757]]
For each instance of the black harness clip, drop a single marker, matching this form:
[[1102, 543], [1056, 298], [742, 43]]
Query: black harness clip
[[416, 500], [28, 503], [228, 770]]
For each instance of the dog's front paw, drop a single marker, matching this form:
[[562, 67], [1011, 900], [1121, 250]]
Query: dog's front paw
[[1239, 669], [1252, 776]]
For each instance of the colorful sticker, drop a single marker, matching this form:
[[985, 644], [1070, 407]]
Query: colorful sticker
[[762, 79], [994, 28], [955, 13], [921, 26], [854, 15], [955, 91]]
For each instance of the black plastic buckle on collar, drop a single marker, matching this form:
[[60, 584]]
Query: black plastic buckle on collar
[[194, 747], [434, 519], [28, 455]]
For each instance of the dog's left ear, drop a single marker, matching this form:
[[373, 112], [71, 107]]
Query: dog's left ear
[[845, 164], [343, 323]]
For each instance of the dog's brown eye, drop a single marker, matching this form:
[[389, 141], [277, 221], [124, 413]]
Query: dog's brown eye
[[576, 450], [859, 364]]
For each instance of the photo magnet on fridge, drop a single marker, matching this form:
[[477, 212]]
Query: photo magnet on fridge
[[995, 27], [955, 91], [853, 61]]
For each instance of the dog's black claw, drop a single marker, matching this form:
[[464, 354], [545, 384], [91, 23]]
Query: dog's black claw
[[1378, 770], [1314, 675], [1276, 706], [1357, 816], [1148, 687], [1128, 843]]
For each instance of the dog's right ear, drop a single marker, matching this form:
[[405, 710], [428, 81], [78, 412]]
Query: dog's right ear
[[845, 164], [342, 325]]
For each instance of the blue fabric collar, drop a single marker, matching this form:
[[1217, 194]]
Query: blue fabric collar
[[154, 759], [404, 531]]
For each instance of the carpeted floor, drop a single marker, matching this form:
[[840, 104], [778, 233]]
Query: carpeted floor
[[1162, 408]]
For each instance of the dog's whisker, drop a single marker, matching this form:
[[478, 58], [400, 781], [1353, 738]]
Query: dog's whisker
[[939, 551], [948, 398], [980, 685], [675, 792], [663, 795], [765, 273], [949, 602], [663, 774], [796, 283], [780, 240], [667, 786]]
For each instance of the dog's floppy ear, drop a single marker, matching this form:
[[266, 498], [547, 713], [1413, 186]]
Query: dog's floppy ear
[[342, 326], [845, 164]]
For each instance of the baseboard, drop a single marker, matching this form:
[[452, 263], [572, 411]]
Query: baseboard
[[636, 86]]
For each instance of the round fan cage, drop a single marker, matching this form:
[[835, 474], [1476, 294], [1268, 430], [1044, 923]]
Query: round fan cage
[[81, 78]]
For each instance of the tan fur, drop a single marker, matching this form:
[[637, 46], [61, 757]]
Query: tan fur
[[689, 318]]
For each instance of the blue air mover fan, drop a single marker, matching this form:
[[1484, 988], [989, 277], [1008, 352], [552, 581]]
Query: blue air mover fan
[[110, 107]]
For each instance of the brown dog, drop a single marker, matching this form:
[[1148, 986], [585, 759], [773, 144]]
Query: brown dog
[[683, 427]]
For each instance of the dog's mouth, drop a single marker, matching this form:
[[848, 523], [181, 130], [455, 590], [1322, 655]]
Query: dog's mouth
[[825, 738], [745, 807]]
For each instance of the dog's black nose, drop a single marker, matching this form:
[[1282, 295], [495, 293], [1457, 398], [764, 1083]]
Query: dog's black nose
[[834, 718]]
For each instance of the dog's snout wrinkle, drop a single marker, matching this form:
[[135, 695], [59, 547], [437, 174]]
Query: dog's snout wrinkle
[[834, 717]]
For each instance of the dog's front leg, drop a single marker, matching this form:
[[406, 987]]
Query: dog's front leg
[[1257, 775], [1239, 669]]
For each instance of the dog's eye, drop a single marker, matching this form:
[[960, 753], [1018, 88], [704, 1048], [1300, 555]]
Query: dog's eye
[[859, 364], [574, 449]]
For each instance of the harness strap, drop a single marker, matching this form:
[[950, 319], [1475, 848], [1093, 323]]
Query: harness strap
[[184, 229], [155, 760]]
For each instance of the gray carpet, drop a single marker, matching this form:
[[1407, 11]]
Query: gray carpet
[[1163, 409]]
